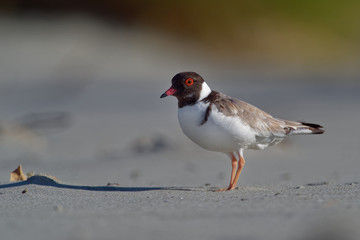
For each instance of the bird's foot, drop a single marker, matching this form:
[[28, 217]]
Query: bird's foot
[[226, 189]]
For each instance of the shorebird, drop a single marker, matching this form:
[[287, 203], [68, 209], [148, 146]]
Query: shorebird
[[220, 123]]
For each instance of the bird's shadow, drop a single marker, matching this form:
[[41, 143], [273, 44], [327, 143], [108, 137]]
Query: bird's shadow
[[47, 181]]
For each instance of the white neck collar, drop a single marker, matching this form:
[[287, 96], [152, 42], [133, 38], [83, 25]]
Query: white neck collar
[[205, 91]]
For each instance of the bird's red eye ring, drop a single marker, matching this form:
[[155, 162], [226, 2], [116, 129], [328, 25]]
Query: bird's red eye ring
[[189, 82]]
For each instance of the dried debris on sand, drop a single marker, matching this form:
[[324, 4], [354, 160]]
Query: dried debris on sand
[[18, 175]]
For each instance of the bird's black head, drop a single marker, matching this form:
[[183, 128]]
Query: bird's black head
[[186, 87]]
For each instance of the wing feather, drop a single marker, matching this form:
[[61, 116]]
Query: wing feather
[[261, 122]]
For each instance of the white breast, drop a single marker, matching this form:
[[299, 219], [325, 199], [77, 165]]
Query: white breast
[[220, 133]]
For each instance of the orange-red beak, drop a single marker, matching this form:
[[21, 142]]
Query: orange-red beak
[[169, 92]]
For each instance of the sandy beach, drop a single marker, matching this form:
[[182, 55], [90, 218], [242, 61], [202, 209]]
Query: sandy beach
[[126, 171], [43, 209]]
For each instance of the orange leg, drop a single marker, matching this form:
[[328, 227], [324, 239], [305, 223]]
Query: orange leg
[[238, 171], [235, 175], [234, 165]]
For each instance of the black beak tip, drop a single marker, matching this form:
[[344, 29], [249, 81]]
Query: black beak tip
[[163, 95]]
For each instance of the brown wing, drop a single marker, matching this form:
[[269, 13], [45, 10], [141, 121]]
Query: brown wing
[[263, 123]]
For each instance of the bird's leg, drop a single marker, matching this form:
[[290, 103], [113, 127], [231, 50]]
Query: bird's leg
[[234, 166], [238, 171]]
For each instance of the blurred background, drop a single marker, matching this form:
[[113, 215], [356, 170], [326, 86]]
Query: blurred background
[[80, 83]]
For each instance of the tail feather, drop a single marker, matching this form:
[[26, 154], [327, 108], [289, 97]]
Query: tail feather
[[297, 128], [315, 128]]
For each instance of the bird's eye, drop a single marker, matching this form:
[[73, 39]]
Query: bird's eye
[[189, 82]]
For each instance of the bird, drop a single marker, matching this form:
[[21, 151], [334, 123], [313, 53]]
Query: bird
[[220, 123]]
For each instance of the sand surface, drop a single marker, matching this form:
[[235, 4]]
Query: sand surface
[[91, 114], [40, 208]]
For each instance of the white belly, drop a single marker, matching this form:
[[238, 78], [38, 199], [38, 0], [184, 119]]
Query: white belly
[[220, 133]]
